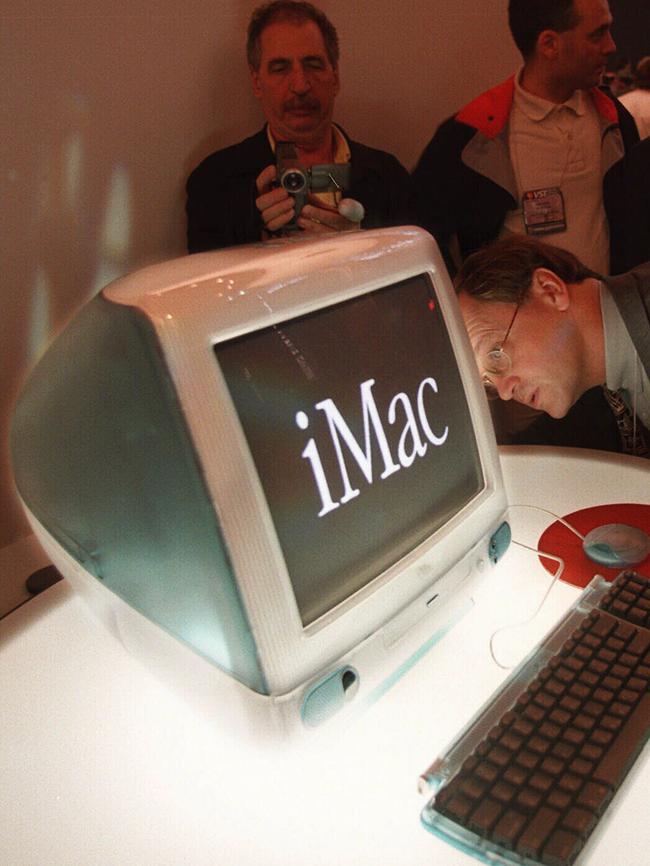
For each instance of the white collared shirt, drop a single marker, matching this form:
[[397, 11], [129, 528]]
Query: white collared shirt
[[559, 146], [623, 369]]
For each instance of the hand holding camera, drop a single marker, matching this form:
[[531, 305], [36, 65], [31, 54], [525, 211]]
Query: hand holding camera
[[287, 201]]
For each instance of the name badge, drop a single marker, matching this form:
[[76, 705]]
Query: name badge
[[543, 211]]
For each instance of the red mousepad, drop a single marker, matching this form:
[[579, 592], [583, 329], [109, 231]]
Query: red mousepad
[[578, 568]]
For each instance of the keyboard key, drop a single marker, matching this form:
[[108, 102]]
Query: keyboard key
[[528, 800], [614, 766], [457, 808], [591, 752], [606, 655], [540, 745], [485, 816], [581, 767], [640, 643], [570, 783], [559, 799], [602, 737], [503, 792], [564, 750], [499, 756], [527, 760], [584, 722], [560, 717], [581, 821], [487, 772], [593, 708], [611, 724], [472, 788], [594, 796], [574, 736], [541, 782], [552, 765], [508, 828], [628, 696], [562, 848], [624, 631], [513, 743], [516, 775], [602, 626], [537, 832]]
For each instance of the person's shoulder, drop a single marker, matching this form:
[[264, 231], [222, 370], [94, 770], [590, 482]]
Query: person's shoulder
[[634, 108], [641, 273], [628, 98], [449, 140], [607, 105], [638, 276], [613, 110], [240, 156], [489, 111], [631, 294]]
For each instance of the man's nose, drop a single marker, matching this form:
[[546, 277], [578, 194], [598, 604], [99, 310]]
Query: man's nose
[[299, 81], [505, 386], [609, 46]]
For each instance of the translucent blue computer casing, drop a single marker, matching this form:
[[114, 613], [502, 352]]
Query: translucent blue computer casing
[[137, 478]]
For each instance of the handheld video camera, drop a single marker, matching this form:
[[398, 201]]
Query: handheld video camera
[[300, 181]]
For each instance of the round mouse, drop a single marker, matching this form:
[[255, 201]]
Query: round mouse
[[616, 545]]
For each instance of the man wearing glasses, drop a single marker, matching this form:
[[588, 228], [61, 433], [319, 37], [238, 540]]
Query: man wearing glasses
[[545, 329]]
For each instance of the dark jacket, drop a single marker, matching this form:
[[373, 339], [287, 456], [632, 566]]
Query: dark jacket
[[221, 192], [626, 194], [464, 182]]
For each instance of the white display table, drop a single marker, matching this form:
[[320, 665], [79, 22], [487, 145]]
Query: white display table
[[100, 764]]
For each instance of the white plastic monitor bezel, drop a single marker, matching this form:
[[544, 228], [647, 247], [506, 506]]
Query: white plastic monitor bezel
[[199, 301]]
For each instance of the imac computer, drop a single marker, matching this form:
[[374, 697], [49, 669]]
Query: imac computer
[[270, 469]]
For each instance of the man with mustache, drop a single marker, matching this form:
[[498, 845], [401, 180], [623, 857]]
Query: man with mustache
[[233, 196]]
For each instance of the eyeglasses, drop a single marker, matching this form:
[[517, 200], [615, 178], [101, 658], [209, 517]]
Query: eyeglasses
[[497, 362]]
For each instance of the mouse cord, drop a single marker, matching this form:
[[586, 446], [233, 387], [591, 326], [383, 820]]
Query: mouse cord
[[529, 619], [548, 511], [556, 577]]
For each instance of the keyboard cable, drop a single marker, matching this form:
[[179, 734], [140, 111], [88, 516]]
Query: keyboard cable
[[556, 577]]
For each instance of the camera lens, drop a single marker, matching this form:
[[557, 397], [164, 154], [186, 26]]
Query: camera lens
[[293, 181]]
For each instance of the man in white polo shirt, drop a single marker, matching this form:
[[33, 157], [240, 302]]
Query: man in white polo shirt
[[529, 156], [555, 152]]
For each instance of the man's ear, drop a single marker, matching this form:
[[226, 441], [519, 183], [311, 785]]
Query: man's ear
[[337, 79], [548, 44], [550, 289]]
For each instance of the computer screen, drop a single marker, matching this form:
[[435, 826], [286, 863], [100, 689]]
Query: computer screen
[[272, 465], [360, 432]]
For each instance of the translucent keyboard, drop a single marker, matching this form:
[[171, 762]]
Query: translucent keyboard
[[528, 780]]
